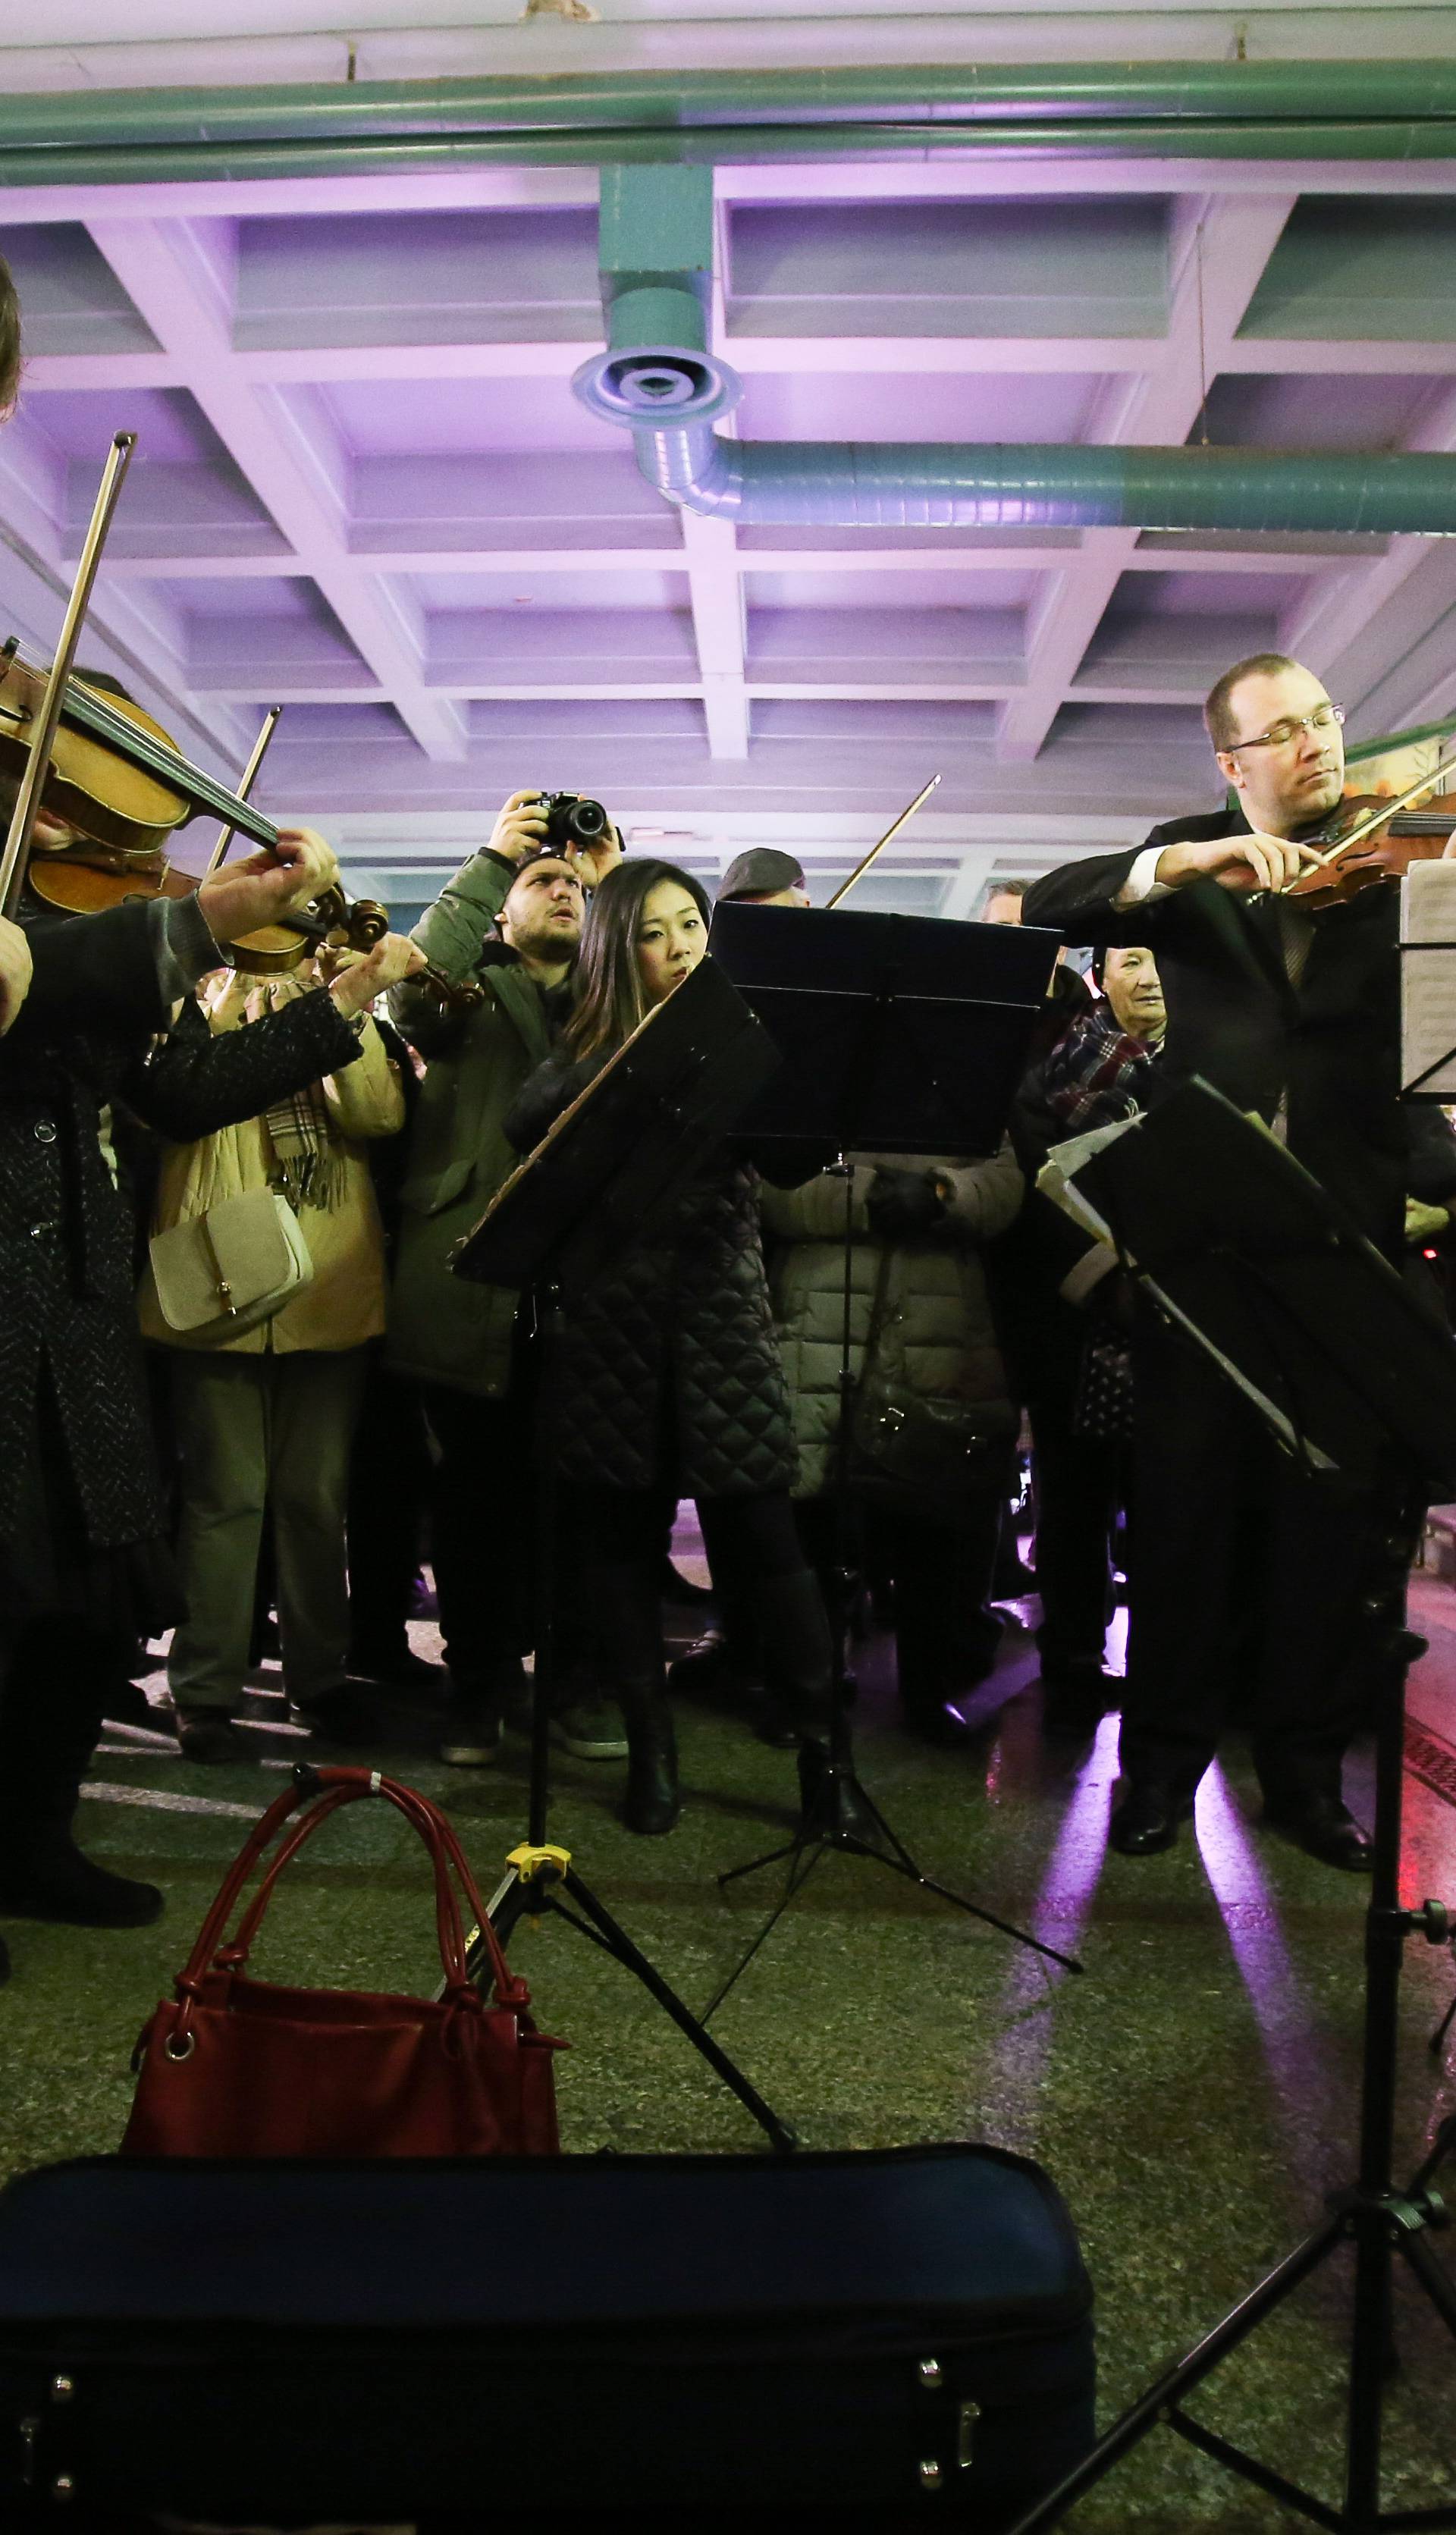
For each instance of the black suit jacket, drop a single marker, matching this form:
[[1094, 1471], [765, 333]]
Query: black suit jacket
[[1233, 1016]]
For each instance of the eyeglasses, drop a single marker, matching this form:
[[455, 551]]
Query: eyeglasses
[[1280, 733]]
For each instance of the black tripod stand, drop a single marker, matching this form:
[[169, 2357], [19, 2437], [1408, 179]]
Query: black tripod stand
[[614, 1156], [1244, 1251], [898, 1034]]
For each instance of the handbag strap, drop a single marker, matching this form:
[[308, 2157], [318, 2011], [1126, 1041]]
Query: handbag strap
[[334, 1787], [220, 1280], [442, 1841], [878, 1310], [233, 1954]]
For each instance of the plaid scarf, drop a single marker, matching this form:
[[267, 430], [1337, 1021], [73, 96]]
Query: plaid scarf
[[1097, 1072], [305, 1168]]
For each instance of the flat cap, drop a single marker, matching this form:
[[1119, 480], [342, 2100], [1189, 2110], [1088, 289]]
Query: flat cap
[[760, 873]]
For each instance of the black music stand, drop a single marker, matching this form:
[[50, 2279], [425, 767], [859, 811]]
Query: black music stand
[[900, 1034], [1244, 1251], [587, 1193]]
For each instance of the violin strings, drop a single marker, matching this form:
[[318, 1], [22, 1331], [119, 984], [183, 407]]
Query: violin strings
[[168, 764]]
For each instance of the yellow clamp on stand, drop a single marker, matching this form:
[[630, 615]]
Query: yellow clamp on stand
[[544, 1866]]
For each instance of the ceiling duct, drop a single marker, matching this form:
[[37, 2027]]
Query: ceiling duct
[[658, 379], [1299, 109]]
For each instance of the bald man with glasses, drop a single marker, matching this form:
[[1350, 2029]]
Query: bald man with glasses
[[1248, 1576]]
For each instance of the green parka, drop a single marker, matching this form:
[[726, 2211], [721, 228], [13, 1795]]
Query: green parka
[[937, 1333], [441, 1326]]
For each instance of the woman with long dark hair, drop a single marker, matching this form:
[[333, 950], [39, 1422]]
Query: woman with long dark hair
[[669, 1374]]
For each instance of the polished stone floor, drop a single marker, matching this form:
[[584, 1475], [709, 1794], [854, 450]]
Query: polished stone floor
[[1193, 2092]]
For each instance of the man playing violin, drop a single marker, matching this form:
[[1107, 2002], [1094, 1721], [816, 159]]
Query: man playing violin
[[1296, 1016], [82, 1569]]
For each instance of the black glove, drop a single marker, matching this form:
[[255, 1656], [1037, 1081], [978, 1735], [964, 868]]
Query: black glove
[[905, 1205]]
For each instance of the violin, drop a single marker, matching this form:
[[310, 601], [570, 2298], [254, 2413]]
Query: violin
[[119, 782], [114, 778], [1372, 839]]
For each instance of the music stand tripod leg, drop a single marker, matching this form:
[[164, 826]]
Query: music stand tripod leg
[[537, 1875], [1372, 2216]]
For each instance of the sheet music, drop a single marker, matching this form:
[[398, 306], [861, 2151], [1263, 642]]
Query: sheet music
[[1055, 1177], [1429, 979], [1055, 1180]]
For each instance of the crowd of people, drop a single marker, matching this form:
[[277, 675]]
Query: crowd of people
[[156, 1478]]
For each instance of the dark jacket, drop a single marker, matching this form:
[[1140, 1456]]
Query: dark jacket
[[668, 1373], [443, 1327], [1041, 1333], [1332, 1043], [66, 1265], [934, 1336]]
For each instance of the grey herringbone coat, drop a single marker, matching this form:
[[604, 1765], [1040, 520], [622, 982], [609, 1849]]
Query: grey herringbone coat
[[68, 1322]]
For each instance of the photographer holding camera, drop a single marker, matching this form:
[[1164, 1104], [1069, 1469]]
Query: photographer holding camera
[[510, 919]]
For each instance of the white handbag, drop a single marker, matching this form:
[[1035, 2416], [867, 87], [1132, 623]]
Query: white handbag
[[222, 1272]]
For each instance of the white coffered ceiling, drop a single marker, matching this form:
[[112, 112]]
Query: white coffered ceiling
[[363, 488]]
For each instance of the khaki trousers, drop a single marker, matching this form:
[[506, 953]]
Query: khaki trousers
[[256, 1431]]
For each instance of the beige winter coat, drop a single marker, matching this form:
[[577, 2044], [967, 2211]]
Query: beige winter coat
[[935, 1335], [344, 1306]]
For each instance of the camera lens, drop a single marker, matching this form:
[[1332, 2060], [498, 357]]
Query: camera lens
[[587, 821]]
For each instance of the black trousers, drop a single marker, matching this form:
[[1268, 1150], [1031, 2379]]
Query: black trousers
[[945, 1637], [1077, 1489], [745, 1537], [56, 1676], [1041, 1339], [753, 1549], [389, 1487], [482, 1529], [1246, 1576]]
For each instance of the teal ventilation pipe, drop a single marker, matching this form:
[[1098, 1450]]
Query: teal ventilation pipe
[[658, 379], [1384, 109]]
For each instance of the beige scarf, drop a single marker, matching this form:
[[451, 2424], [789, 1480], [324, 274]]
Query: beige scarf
[[305, 1168]]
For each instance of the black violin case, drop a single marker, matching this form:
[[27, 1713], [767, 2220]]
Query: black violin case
[[894, 2339]]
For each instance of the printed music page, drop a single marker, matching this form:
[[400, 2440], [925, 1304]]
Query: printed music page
[[1428, 980], [1055, 1177]]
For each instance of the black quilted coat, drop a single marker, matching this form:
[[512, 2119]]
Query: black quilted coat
[[67, 1312], [668, 1373]]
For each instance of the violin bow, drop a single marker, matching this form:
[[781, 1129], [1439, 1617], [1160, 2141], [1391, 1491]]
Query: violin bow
[[860, 869], [1374, 819], [17, 853], [246, 781]]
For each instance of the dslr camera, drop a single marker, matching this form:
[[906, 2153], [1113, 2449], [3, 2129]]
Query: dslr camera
[[572, 820]]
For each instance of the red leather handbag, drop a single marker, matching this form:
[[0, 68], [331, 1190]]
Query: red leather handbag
[[233, 2066]]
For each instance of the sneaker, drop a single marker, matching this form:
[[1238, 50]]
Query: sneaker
[[592, 1729], [208, 1735], [472, 1736]]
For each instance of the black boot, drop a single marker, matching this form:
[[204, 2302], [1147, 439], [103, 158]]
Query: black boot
[[799, 1677], [50, 1720], [652, 1802], [633, 1674], [45, 1875]]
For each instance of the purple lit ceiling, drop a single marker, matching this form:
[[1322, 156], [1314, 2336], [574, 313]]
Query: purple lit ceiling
[[364, 489]]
